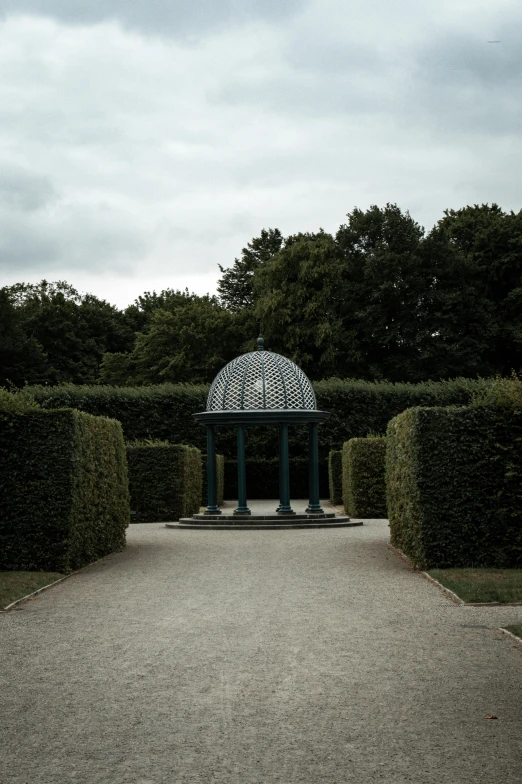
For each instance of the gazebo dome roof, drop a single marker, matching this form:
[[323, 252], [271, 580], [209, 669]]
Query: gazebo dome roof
[[261, 381]]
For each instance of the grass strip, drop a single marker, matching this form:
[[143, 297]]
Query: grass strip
[[516, 629], [482, 585], [16, 585]]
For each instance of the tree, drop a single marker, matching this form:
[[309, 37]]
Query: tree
[[380, 301], [139, 314], [343, 306], [236, 285], [73, 330], [418, 308], [188, 344], [454, 322], [382, 285], [301, 306], [22, 358], [117, 369], [490, 241]]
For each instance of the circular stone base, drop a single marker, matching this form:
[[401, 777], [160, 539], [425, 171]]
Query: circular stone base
[[260, 522], [229, 518]]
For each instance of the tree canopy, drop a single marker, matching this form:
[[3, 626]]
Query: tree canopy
[[380, 299], [62, 333], [187, 343], [236, 287]]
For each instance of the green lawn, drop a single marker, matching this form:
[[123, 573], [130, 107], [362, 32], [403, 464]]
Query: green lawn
[[15, 585], [516, 630], [482, 585]]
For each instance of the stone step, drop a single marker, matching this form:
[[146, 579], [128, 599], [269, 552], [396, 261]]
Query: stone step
[[228, 523], [261, 517]]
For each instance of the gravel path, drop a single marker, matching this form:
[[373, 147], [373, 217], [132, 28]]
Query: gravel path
[[257, 657]]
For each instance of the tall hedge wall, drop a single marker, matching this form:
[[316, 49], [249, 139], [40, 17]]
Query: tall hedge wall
[[364, 489], [335, 476], [165, 412], [454, 486], [165, 481], [64, 498]]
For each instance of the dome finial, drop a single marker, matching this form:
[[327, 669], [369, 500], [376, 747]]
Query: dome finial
[[260, 341]]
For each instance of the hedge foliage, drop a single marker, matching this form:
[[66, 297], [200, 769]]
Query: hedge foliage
[[17, 401], [335, 476], [165, 481], [64, 498], [503, 392], [162, 412], [454, 486], [165, 412], [364, 488]]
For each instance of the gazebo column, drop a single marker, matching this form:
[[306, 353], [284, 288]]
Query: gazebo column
[[314, 505], [280, 467], [212, 507], [284, 472], [242, 508]]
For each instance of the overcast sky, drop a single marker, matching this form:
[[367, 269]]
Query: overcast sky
[[142, 142]]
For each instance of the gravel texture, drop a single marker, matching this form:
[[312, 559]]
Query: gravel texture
[[257, 657]]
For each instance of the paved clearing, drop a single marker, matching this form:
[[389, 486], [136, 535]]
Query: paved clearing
[[257, 656]]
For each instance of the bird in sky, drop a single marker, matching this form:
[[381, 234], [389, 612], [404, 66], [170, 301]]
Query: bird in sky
[[493, 42]]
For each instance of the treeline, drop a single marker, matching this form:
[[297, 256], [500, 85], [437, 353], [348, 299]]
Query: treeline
[[380, 299]]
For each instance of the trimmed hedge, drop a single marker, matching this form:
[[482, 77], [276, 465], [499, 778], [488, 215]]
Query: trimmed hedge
[[335, 476], [220, 477], [165, 412], [364, 488], [454, 486], [165, 481], [64, 499]]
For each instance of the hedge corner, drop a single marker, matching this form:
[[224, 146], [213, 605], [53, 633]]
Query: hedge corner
[[454, 486], [165, 481], [363, 486], [64, 499]]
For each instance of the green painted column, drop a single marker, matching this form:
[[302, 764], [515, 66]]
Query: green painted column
[[284, 475], [280, 465], [212, 507], [314, 505], [242, 508]]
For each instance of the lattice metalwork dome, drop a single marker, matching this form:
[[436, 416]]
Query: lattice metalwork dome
[[261, 380]]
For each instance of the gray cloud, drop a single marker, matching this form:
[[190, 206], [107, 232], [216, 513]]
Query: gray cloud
[[461, 84], [178, 18], [25, 247], [22, 191], [447, 77], [467, 61], [76, 238], [138, 158], [331, 54]]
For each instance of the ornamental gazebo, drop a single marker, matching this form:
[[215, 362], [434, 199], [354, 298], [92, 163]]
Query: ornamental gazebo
[[262, 388]]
